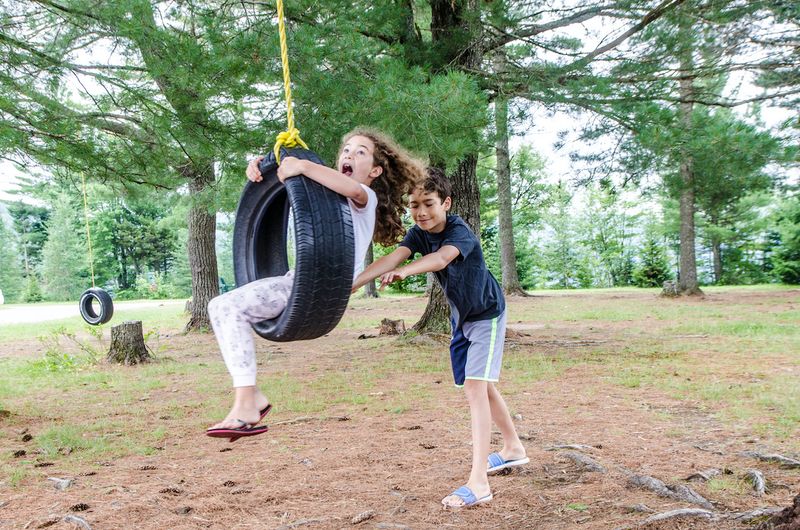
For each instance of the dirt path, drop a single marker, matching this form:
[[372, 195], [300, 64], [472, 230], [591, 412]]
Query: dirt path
[[403, 447]]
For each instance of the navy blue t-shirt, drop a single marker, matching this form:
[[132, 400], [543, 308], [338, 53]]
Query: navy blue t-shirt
[[471, 290]]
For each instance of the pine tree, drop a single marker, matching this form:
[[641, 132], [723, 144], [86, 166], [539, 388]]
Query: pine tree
[[653, 269], [607, 230], [65, 256], [11, 277], [33, 293], [166, 96], [563, 259], [786, 260]]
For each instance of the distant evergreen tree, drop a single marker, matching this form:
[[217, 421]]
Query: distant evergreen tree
[[33, 293], [654, 269], [563, 260], [11, 278], [786, 260], [64, 257], [30, 224]]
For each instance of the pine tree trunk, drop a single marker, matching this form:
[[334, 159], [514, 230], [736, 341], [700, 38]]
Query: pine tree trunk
[[451, 22], [466, 196], [716, 251], [436, 318], [193, 116], [202, 252], [687, 283], [370, 291], [127, 344], [508, 255]]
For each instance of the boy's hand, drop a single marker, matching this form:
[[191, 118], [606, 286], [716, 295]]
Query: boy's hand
[[290, 167], [391, 277], [252, 171]]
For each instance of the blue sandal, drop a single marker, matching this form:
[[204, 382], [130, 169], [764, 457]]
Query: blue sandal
[[469, 498], [497, 463]]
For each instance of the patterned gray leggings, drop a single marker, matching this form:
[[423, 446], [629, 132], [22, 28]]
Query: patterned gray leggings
[[232, 314]]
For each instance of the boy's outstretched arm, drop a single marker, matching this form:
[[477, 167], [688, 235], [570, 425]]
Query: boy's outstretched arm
[[433, 262], [378, 267]]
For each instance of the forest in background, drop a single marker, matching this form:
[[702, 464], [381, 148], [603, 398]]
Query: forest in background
[[159, 105]]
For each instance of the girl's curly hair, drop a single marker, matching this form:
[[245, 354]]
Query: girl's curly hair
[[401, 172]]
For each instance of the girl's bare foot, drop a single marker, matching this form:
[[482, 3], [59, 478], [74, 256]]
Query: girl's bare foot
[[249, 406]]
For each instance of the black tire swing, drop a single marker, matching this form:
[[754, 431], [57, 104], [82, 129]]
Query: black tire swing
[[89, 296], [86, 305], [323, 227], [324, 248]]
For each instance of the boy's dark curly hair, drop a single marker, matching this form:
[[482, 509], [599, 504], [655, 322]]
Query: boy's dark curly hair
[[436, 182], [401, 172]]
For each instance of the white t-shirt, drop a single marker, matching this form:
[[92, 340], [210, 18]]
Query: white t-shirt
[[363, 227]]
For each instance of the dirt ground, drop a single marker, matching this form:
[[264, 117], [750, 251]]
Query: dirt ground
[[322, 470]]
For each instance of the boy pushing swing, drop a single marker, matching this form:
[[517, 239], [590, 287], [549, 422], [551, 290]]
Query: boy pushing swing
[[451, 250]]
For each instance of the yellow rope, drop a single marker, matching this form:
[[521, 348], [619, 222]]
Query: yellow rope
[[291, 136], [86, 219]]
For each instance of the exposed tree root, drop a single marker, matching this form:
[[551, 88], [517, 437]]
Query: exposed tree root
[[707, 450], [683, 512], [678, 492], [746, 517], [575, 447], [587, 463], [704, 476], [739, 517], [786, 519], [784, 461], [757, 479]]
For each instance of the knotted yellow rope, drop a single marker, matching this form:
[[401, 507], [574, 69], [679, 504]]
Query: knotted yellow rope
[[291, 136], [86, 219]]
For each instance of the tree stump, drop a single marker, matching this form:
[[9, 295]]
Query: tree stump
[[392, 327], [670, 289], [127, 344], [787, 519]]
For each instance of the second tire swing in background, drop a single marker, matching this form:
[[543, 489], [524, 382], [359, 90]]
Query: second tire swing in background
[[94, 293]]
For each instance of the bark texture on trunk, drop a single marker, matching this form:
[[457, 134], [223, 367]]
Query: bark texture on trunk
[[127, 344], [508, 254], [466, 196], [436, 318], [716, 251], [687, 283], [202, 253], [370, 291], [455, 34]]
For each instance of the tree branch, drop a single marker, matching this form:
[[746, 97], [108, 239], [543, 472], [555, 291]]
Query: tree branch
[[505, 37], [650, 17]]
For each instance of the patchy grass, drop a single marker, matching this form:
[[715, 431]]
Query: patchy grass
[[622, 367]]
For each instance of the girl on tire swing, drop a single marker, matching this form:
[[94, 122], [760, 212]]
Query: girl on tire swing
[[374, 174]]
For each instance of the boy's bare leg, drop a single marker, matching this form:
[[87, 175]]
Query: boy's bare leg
[[478, 397], [512, 446], [248, 401]]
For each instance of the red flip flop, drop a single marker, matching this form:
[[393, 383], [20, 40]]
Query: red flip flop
[[239, 432], [263, 412], [246, 429]]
